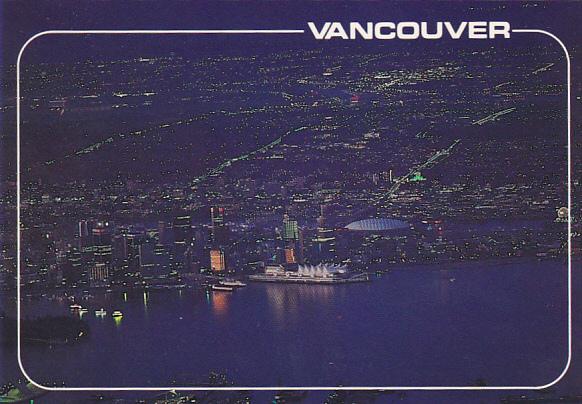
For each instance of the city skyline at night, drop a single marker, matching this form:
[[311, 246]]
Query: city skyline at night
[[339, 201]]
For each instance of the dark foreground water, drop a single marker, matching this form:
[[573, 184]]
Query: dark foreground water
[[503, 323]]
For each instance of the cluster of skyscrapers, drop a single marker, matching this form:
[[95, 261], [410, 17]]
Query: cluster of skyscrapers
[[106, 254]]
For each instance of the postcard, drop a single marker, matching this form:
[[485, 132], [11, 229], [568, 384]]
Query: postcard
[[277, 202]]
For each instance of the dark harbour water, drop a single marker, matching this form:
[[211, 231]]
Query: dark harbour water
[[505, 323]]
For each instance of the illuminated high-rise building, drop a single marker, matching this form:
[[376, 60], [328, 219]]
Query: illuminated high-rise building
[[84, 228], [290, 228], [217, 216], [290, 255], [218, 224], [293, 241], [132, 253], [300, 248], [182, 237], [101, 244], [85, 233], [321, 219], [160, 258], [325, 242], [182, 229], [189, 257], [72, 268], [217, 263], [98, 274]]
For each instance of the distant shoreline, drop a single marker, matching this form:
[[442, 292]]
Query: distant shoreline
[[436, 266]]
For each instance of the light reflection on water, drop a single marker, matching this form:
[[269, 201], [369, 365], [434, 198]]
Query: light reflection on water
[[145, 302], [219, 303], [286, 301], [408, 327]]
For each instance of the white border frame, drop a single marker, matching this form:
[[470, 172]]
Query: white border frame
[[172, 388]]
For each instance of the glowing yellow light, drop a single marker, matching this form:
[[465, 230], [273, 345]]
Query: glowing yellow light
[[220, 303]]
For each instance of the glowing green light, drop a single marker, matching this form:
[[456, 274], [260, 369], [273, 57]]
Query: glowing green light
[[417, 177]]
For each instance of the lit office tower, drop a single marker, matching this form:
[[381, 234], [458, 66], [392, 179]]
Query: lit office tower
[[102, 243], [325, 245], [217, 216], [219, 229], [217, 263], [293, 251], [293, 241], [290, 229], [182, 236], [189, 257], [74, 272], [132, 253], [161, 258], [98, 275], [85, 233], [325, 242], [182, 229], [299, 248], [290, 255]]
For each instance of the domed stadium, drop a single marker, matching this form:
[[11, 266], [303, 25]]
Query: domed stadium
[[382, 224]]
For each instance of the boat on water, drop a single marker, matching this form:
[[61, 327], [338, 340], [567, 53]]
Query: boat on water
[[220, 288], [100, 313], [75, 306], [325, 274], [117, 313], [232, 283]]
